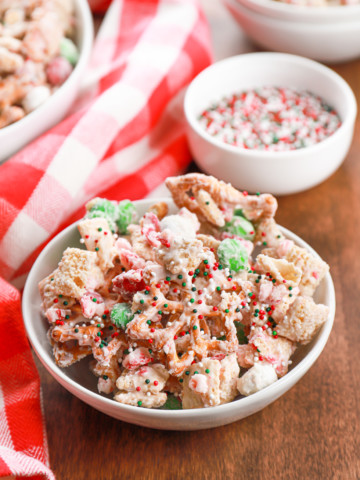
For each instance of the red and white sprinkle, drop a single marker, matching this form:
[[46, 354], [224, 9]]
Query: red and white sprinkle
[[271, 118]]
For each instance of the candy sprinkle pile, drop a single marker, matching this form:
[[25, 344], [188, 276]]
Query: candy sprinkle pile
[[271, 118]]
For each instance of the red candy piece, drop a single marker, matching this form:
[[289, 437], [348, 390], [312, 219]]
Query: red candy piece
[[130, 282], [58, 70]]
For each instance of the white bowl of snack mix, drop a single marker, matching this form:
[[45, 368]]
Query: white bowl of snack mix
[[44, 50], [269, 121], [146, 319], [323, 30]]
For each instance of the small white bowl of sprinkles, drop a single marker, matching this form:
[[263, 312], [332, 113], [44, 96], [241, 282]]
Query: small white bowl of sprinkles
[[269, 121]]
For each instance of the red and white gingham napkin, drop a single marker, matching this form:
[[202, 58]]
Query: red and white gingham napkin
[[125, 137]]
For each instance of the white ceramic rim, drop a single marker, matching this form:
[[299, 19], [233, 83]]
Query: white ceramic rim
[[86, 48], [346, 123], [293, 375], [319, 14]]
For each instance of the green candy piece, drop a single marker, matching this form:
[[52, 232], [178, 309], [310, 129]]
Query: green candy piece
[[238, 212], [104, 209], [121, 315], [232, 254], [241, 333], [69, 50], [126, 214], [241, 227], [172, 403]]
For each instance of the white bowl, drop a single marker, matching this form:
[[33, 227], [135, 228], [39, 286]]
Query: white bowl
[[18, 134], [327, 34], [277, 172], [82, 383]]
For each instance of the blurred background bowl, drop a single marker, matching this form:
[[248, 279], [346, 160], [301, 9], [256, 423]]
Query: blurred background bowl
[[18, 134], [283, 172], [327, 34]]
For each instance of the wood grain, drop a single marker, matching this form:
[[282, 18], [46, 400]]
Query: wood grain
[[312, 432]]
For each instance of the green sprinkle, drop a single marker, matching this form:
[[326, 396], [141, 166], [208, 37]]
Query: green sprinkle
[[146, 292], [66, 303], [187, 372], [218, 289], [94, 300], [99, 229], [197, 271], [207, 370], [181, 380], [96, 249], [179, 277], [155, 298], [76, 330], [206, 262], [147, 381], [105, 377], [168, 279], [257, 193], [206, 274], [237, 309], [193, 289], [227, 310], [290, 288], [207, 203], [103, 317], [290, 294], [142, 301], [166, 305], [150, 351], [67, 317], [194, 311], [220, 267], [196, 372], [274, 333], [264, 243], [98, 325], [183, 284], [192, 300], [139, 403], [148, 322], [195, 327], [159, 312]]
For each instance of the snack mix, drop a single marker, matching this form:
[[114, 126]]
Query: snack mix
[[37, 53], [184, 310]]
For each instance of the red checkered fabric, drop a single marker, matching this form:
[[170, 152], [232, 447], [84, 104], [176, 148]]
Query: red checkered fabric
[[124, 137]]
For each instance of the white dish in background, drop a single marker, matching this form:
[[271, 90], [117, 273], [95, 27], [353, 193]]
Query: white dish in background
[[326, 34], [18, 134], [78, 379], [280, 173]]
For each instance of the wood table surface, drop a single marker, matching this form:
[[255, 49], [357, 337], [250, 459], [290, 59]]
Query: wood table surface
[[311, 432]]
